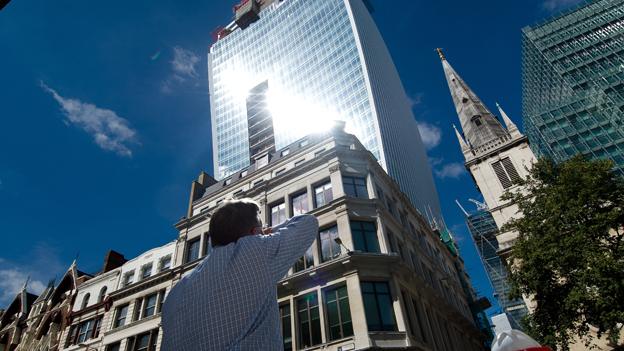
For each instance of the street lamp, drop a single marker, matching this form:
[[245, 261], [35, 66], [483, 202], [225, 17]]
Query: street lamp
[[339, 242]]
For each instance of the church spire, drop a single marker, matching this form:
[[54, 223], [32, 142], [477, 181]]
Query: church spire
[[511, 126], [464, 147], [479, 125]]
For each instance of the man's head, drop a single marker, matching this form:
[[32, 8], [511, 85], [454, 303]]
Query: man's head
[[233, 220]]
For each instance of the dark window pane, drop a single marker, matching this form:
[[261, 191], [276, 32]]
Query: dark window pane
[[364, 236], [309, 321], [355, 186], [150, 305], [378, 307], [338, 313], [192, 250], [285, 325]]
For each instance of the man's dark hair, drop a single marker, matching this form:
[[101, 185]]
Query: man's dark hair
[[232, 221]]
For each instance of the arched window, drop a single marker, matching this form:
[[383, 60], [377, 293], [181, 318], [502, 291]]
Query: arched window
[[85, 300], [102, 294]]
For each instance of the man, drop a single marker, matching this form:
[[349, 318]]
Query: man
[[229, 302]]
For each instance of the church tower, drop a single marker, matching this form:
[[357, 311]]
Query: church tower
[[494, 155]]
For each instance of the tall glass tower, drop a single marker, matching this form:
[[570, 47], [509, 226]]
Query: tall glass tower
[[573, 83], [285, 69]]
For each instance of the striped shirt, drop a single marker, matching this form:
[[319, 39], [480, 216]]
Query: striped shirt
[[229, 301]]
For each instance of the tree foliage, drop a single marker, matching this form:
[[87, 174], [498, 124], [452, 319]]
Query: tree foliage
[[569, 255]]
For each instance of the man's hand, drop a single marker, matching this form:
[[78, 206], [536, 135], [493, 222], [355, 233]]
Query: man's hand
[[267, 230]]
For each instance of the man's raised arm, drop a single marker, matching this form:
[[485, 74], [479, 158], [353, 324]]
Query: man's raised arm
[[289, 241]]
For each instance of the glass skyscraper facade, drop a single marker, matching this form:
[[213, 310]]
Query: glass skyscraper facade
[[483, 230], [573, 83], [320, 61]]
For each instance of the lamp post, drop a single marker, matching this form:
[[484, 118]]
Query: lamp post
[[339, 242]]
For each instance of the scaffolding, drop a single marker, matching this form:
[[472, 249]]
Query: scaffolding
[[483, 230]]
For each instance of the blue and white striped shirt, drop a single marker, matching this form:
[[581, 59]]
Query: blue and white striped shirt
[[229, 301]]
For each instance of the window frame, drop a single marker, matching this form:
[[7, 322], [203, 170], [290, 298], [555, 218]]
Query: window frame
[[324, 191], [351, 187], [297, 195], [332, 243], [308, 310], [187, 251], [326, 301], [363, 236], [277, 204]]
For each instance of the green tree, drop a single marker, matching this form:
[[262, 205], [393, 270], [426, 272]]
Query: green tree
[[569, 256]]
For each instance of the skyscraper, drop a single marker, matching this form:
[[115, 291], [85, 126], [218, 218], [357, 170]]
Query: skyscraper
[[572, 83], [285, 69]]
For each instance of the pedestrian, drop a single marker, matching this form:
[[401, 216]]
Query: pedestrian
[[229, 301]]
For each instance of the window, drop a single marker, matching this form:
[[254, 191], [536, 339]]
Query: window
[[113, 347], [317, 153], [165, 263], [146, 271], [85, 330], [355, 186], [306, 261], [128, 278], [285, 152], [300, 204], [364, 236], [142, 342], [338, 313], [303, 143], [330, 249], [102, 294], [227, 182], [299, 162], [120, 316], [378, 306], [506, 172], [421, 328], [244, 173], [309, 321], [149, 307], [85, 300], [278, 213], [207, 244], [323, 194], [284, 311], [192, 250], [280, 171]]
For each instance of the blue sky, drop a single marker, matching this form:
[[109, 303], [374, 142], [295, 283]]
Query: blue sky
[[105, 116]]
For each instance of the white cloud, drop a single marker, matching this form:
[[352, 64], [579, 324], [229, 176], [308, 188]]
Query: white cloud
[[430, 134], [553, 5], [184, 68], [43, 265], [450, 170], [109, 131], [415, 99], [184, 62]]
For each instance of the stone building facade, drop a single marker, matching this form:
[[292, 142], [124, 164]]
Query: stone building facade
[[389, 282]]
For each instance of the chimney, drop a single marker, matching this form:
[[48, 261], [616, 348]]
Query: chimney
[[197, 190], [113, 260]]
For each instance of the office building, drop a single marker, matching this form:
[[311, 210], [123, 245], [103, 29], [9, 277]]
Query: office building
[[285, 69], [389, 282], [572, 83]]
